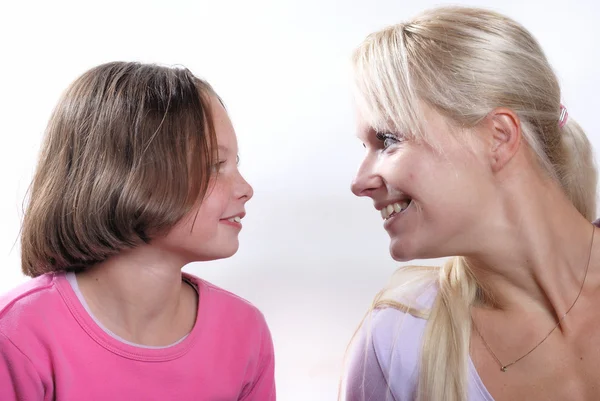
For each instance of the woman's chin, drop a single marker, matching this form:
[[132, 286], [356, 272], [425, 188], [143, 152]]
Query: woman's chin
[[406, 251], [400, 252]]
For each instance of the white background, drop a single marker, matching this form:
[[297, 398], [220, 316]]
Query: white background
[[312, 255]]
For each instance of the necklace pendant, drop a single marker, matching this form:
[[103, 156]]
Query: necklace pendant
[[503, 368]]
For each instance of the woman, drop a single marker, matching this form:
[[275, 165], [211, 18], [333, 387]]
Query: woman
[[471, 153]]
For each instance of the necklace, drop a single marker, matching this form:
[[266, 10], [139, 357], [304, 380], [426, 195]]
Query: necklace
[[503, 367]]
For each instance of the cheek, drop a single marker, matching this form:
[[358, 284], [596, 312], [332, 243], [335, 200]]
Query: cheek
[[214, 205], [420, 177], [458, 192], [179, 234], [434, 187]]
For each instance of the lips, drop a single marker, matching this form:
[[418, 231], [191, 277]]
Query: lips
[[235, 217], [235, 220]]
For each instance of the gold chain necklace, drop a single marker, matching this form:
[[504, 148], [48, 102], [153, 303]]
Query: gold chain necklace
[[503, 367]]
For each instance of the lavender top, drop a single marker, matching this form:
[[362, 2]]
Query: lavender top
[[384, 360]]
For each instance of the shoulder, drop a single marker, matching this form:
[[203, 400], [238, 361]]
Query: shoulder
[[31, 315], [396, 335], [399, 315], [237, 325], [26, 298], [30, 288], [227, 303], [386, 352], [396, 324]]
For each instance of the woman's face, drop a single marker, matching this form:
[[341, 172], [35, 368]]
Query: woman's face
[[432, 201]]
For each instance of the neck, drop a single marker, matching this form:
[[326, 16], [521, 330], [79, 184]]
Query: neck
[[139, 295], [539, 264]]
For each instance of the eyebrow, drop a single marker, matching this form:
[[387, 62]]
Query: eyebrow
[[366, 134]]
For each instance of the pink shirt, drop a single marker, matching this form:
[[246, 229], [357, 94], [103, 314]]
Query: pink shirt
[[51, 348]]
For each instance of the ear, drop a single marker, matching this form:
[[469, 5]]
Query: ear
[[504, 128]]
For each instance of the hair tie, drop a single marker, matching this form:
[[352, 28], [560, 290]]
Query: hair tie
[[562, 120]]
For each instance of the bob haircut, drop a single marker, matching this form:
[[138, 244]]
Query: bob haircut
[[128, 151]]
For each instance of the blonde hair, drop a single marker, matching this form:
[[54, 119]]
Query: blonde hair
[[127, 152], [463, 63]]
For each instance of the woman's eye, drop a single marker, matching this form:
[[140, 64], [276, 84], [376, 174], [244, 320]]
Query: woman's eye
[[387, 139]]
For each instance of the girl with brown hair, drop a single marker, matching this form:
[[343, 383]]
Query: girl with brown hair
[[138, 176]]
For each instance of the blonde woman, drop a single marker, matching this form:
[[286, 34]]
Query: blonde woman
[[470, 154]]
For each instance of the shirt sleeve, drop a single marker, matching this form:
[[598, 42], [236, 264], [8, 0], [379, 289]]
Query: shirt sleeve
[[263, 385], [19, 381], [365, 379]]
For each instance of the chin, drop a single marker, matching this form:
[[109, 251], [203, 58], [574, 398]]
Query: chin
[[401, 254], [224, 253], [405, 251], [408, 252], [214, 254], [402, 257]]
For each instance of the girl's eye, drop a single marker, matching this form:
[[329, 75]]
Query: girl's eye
[[388, 139], [218, 166]]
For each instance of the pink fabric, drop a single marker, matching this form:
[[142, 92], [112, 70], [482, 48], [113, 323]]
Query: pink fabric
[[51, 349]]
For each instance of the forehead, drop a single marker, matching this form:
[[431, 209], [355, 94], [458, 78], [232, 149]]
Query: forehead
[[224, 130], [364, 128]]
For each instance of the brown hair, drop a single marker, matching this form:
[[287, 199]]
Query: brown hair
[[127, 153]]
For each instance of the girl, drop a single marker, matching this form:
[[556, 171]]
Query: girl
[[137, 177], [470, 153]]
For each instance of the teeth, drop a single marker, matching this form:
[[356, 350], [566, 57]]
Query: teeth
[[235, 219], [394, 208]]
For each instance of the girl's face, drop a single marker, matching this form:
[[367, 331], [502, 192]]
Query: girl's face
[[211, 230], [432, 202]]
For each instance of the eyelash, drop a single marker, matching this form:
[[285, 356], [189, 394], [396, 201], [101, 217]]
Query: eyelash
[[217, 166], [384, 137]]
